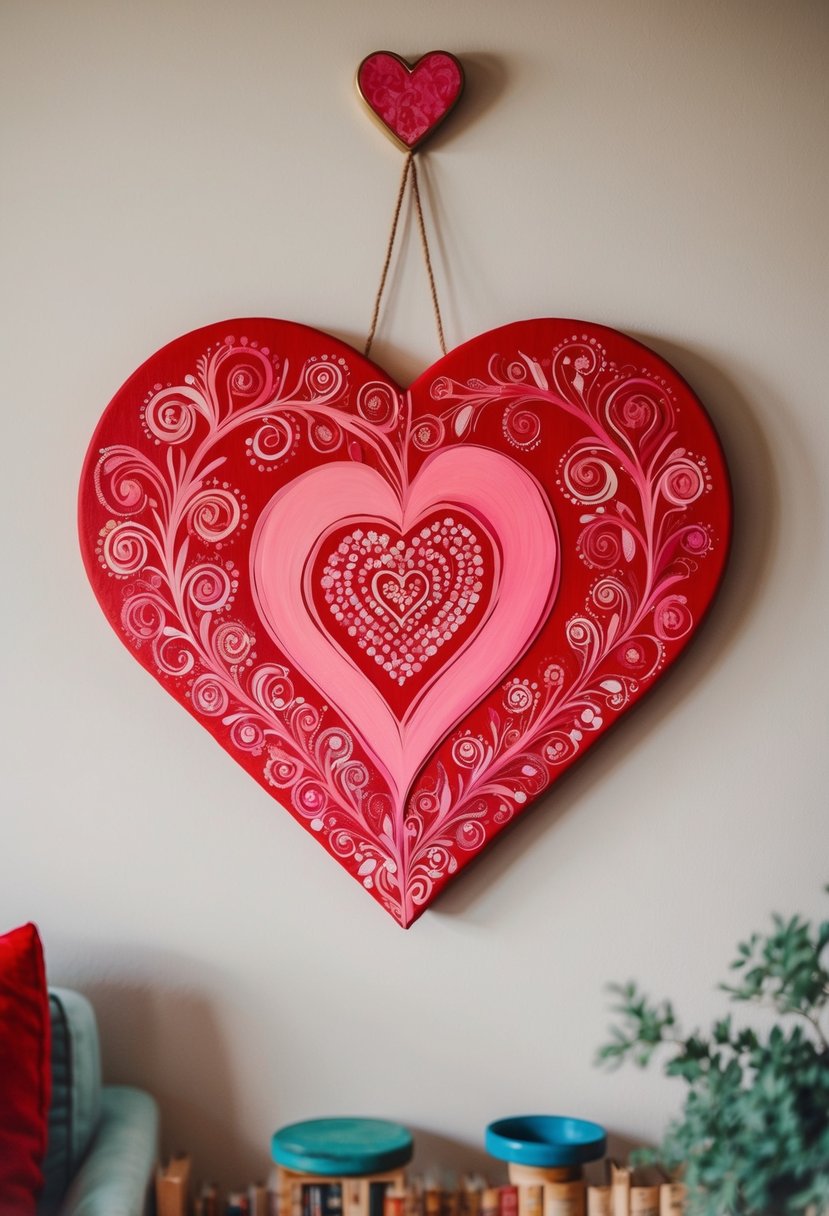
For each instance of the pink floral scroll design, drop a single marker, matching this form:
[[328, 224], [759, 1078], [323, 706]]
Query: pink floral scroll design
[[634, 486], [169, 511]]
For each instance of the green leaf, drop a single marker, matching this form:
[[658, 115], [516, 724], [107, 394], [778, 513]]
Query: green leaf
[[753, 1132]]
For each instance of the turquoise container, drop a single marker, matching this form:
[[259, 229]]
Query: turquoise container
[[343, 1147], [545, 1141]]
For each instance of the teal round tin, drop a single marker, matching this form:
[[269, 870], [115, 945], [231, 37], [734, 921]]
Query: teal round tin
[[342, 1147]]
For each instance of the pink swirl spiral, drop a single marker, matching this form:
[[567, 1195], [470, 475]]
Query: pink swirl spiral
[[355, 776], [143, 617], [282, 770], [378, 404], [682, 482], [425, 803], [207, 587], [672, 618], [518, 697], [173, 655], [470, 835], [273, 440], [324, 435], [272, 688], [342, 843], [232, 642], [611, 595], [247, 735], [209, 696], [695, 540], [522, 428], [214, 515], [309, 797], [600, 544], [170, 415], [125, 549], [428, 433], [589, 478], [333, 746], [324, 379], [120, 477], [468, 752]]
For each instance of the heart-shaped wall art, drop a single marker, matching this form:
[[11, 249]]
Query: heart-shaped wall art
[[410, 100], [405, 613]]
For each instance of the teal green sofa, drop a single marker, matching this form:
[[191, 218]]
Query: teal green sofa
[[103, 1139]]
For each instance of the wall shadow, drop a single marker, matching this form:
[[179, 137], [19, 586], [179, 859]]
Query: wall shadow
[[485, 80]]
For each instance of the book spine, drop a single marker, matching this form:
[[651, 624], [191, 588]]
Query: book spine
[[333, 1199], [210, 1199], [564, 1198], [313, 1199], [394, 1203], [619, 1189], [599, 1201], [258, 1199], [644, 1200], [377, 1197], [172, 1188], [414, 1197], [355, 1197], [471, 1196], [508, 1201], [530, 1200], [672, 1196]]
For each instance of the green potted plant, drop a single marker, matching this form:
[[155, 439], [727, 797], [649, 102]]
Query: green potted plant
[[753, 1135]]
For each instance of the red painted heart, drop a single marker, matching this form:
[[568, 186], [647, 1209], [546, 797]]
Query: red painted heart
[[405, 614], [410, 100]]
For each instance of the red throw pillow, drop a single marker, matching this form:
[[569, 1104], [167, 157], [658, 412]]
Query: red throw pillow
[[25, 1073]]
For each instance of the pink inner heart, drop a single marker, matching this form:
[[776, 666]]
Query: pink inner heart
[[293, 533], [410, 101], [400, 594]]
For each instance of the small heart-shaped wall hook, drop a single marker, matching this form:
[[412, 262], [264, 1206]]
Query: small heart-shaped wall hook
[[410, 101]]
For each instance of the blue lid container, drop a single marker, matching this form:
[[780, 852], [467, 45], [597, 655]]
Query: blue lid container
[[545, 1141], [342, 1147]]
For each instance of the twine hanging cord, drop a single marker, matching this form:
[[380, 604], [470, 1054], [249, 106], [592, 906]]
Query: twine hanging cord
[[409, 166]]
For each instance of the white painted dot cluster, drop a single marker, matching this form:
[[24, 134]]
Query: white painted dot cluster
[[402, 600]]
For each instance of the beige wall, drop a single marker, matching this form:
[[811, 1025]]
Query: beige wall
[[656, 166]]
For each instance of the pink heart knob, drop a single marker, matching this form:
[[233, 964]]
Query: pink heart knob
[[410, 100]]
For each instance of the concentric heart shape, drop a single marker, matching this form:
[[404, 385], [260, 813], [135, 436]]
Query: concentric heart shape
[[410, 100], [399, 737], [405, 613]]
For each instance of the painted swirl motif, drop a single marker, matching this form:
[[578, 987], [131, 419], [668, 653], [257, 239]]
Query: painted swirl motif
[[404, 600], [405, 614]]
